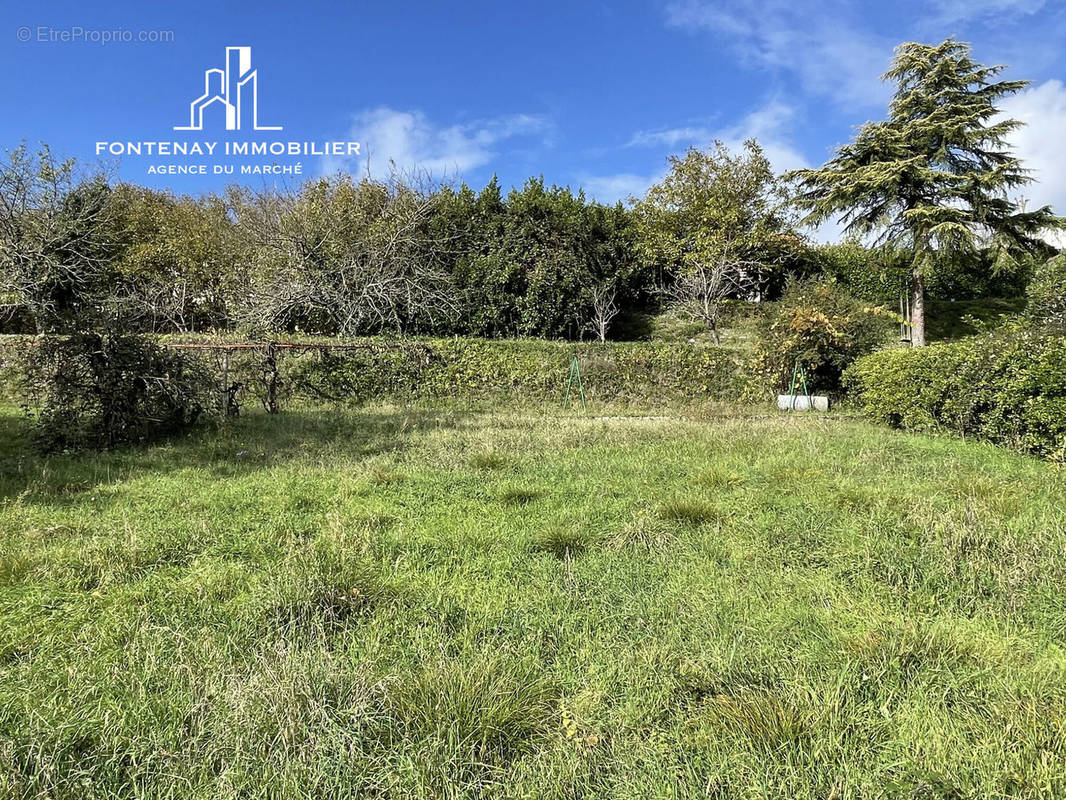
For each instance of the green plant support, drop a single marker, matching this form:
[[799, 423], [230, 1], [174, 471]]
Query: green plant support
[[798, 372], [575, 373]]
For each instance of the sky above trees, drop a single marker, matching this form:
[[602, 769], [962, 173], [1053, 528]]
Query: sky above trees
[[593, 95]]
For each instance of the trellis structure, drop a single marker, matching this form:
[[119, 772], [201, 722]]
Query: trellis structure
[[906, 331], [271, 352]]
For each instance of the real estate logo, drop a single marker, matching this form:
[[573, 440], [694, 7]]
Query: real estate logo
[[236, 89], [231, 94]]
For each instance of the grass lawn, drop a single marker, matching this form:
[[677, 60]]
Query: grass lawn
[[404, 604]]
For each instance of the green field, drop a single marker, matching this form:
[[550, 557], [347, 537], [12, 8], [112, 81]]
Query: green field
[[404, 604]]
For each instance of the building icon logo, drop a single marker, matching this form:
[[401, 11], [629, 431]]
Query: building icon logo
[[235, 89]]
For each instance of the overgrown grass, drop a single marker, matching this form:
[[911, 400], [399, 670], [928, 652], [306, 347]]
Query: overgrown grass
[[403, 604], [736, 328]]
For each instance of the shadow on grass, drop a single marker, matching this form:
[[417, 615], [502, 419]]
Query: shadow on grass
[[254, 442]]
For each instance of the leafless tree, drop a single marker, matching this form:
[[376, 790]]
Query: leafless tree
[[359, 257], [154, 306], [56, 238], [604, 308], [700, 292]]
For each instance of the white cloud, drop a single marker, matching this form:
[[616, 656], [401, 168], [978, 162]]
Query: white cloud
[[964, 10], [619, 187], [831, 56], [1039, 144], [413, 142], [671, 137], [769, 124]]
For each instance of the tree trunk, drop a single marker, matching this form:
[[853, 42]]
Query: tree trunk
[[714, 334], [917, 291]]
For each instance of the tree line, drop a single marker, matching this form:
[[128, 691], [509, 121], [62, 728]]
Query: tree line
[[347, 256], [924, 195]]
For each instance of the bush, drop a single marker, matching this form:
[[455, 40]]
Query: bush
[[878, 275], [511, 369], [94, 391], [871, 275], [15, 318], [1007, 387], [823, 327], [1046, 294]]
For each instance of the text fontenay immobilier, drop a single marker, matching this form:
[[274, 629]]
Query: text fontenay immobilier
[[234, 148]]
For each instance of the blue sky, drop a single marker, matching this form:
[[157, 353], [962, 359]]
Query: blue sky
[[593, 95]]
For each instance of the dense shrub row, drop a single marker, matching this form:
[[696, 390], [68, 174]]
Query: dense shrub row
[[46, 373], [345, 257], [879, 276], [473, 369], [1007, 387]]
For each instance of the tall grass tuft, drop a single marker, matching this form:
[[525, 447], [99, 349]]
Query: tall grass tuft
[[323, 587], [719, 480], [561, 542], [488, 460], [469, 719], [518, 496], [690, 511], [644, 533], [762, 716]]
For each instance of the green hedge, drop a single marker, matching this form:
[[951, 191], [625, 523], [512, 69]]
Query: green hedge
[[456, 369], [512, 369], [879, 277], [1007, 387]]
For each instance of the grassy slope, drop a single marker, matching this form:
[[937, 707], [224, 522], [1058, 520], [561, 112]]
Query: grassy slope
[[405, 604], [945, 321]]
